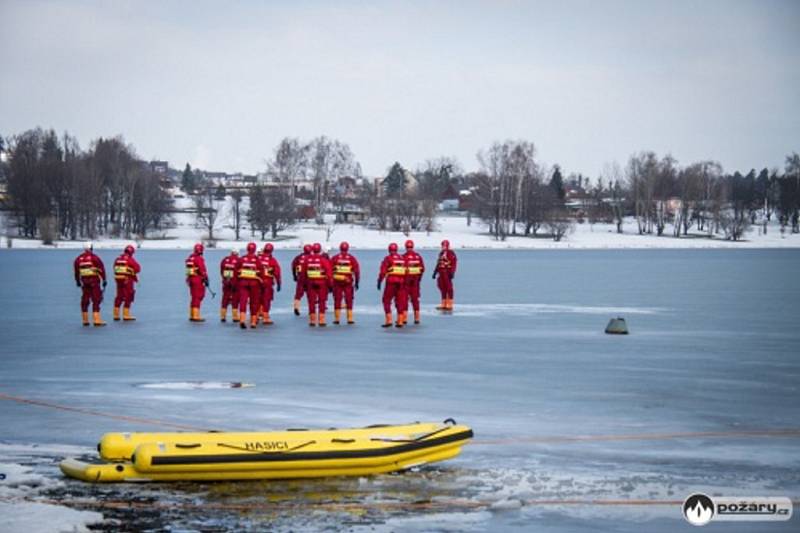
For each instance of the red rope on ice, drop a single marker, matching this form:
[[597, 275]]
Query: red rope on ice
[[148, 421], [756, 433], [789, 432]]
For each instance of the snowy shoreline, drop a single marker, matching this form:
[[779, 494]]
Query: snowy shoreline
[[453, 228]]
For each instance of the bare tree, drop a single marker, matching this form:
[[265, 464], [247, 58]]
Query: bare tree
[[790, 193], [711, 197], [271, 209], [235, 209], [328, 161], [642, 173], [541, 200], [613, 175], [690, 192], [508, 170], [664, 189], [652, 184], [289, 164], [81, 193], [26, 186], [380, 211], [207, 207], [559, 223]]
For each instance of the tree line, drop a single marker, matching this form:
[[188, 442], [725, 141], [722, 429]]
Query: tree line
[[515, 195], [705, 197], [57, 190]]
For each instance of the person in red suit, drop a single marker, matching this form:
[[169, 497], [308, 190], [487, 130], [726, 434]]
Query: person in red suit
[[346, 276], [445, 272], [272, 281], [126, 274], [316, 276], [249, 277], [197, 280], [90, 274], [393, 270], [230, 296], [415, 269], [297, 265]]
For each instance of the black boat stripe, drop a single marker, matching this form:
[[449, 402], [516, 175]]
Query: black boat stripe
[[307, 456]]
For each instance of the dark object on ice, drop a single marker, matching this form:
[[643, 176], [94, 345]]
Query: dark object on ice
[[617, 326]]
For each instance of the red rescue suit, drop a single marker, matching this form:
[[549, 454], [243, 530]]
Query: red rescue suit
[[249, 278], [415, 268], [393, 269], [297, 267], [271, 274], [445, 270], [317, 279], [196, 278], [227, 271], [346, 274], [90, 274], [126, 274]]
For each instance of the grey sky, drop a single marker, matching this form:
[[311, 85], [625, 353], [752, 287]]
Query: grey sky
[[218, 84]]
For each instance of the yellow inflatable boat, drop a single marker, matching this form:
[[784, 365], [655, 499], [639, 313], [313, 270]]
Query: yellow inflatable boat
[[269, 455]]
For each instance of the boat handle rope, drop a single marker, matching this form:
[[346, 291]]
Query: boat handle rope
[[420, 438], [261, 452]]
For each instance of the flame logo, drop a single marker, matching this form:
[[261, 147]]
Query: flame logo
[[698, 509]]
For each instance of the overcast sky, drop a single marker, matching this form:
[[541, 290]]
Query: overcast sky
[[218, 84]]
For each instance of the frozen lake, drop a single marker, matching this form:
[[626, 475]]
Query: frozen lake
[[714, 349]]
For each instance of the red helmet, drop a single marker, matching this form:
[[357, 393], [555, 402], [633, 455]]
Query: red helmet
[[307, 249], [251, 247], [344, 246], [316, 248], [393, 247], [445, 244], [198, 248], [268, 248], [130, 249], [409, 244]]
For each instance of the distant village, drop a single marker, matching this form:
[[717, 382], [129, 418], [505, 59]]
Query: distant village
[[454, 197]]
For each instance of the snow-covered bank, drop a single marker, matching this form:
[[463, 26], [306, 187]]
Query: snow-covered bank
[[453, 228], [26, 478]]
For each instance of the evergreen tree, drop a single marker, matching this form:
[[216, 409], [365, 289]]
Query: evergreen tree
[[557, 183], [188, 181], [258, 210], [395, 182], [219, 193]]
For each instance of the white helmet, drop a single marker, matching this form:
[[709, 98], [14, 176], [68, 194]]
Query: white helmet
[[235, 251], [88, 246]]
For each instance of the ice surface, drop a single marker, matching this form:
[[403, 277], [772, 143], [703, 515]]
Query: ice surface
[[22, 485], [33, 517], [523, 360]]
